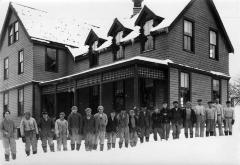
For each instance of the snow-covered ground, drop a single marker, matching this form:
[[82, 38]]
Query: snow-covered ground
[[212, 150]]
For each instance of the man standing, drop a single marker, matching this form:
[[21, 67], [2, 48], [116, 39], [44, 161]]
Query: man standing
[[200, 116], [189, 118], [133, 124], [166, 118], [123, 122], [61, 131], [8, 130], [101, 121], [211, 119], [46, 131], [29, 133], [88, 129], [229, 118], [112, 130], [177, 120], [75, 123], [156, 124], [144, 124], [220, 117]]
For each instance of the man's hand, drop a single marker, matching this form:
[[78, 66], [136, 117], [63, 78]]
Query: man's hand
[[23, 139], [233, 121]]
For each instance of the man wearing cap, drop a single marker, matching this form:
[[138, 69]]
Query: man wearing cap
[[61, 131], [8, 130], [29, 133], [211, 119], [123, 121], [200, 115], [156, 124], [88, 129], [229, 118], [111, 130], [189, 119], [75, 123], [165, 114], [144, 124], [101, 121], [46, 131], [177, 120], [133, 124], [220, 117]]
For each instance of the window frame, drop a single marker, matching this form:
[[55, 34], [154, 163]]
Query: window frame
[[91, 58], [183, 88], [192, 37], [143, 49], [4, 93], [15, 33], [220, 89], [5, 70], [20, 111], [46, 67], [216, 46], [20, 62]]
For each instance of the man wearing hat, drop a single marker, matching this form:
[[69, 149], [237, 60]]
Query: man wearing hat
[[88, 129], [75, 122], [211, 119], [29, 133], [189, 119], [111, 130], [46, 131], [61, 131], [145, 123], [229, 118], [176, 119], [200, 115]]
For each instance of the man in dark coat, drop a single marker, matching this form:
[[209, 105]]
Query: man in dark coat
[[133, 124], [46, 130], [75, 122], [88, 129], [165, 114], [156, 124], [144, 124], [177, 120], [189, 119], [111, 130]]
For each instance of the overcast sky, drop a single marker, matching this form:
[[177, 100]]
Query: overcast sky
[[97, 11]]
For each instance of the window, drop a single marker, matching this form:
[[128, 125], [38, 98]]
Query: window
[[20, 102], [94, 98], [213, 52], [6, 68], [20, 61], [216, 89], [149, 44], [147, 94], [13, 34], [184, 88], [93, 60], [51, 60], [5, 101], [95, 45], [121, 52], [188, 36], [119, 95]]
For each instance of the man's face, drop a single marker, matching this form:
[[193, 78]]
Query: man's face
[[88, 113], [156, 110], [100, 109], [61, 116], [132, 113], [112, 114], [210, 105], [188, 105], [199, 103], [175, 105], [164, 105], [217, 101], [228, 105], [74, 110], [45, 116], [27, 116], [7, 115]]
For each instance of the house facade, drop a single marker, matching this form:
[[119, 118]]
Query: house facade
[[144, 60]]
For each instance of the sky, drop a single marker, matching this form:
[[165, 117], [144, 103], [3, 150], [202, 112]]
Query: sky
[[104, 11]]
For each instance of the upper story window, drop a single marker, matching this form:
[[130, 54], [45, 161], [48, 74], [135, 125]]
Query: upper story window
[[51, 60], [95, 45], [149, 44], [184, 88], [188, 36], [20, 102], [20, 61], [213, 45], [93, 60], [5, 101], [13, 34], [121, 52], [6, 69], [216, 89]]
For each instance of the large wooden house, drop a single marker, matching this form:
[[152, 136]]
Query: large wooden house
[[156, 55]]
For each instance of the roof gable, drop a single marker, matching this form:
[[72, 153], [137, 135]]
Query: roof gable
[[92, 36], [117, 26]]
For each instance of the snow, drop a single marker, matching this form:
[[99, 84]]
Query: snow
[[219, 73], [199, 151], [147, 59]]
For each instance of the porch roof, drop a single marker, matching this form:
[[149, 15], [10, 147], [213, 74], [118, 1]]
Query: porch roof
[[136, 58]]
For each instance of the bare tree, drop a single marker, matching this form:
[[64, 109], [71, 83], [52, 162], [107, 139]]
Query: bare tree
[[234, 91]]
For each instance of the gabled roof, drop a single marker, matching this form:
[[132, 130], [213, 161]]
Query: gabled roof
[[117, 26], [92, 36]]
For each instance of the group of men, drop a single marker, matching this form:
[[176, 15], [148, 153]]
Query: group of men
[[128, 125]]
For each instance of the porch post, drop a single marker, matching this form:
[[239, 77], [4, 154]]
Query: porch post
[[136, 87], [55, 101], [75, 94], [100, 90]]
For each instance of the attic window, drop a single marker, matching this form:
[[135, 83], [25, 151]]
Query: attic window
[[147, 27], [95, 45], [13, 34], [121, 52], [51, 59], [149, 44], [119, 37]]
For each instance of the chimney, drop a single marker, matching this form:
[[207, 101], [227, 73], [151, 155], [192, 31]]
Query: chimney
[[137, 6]]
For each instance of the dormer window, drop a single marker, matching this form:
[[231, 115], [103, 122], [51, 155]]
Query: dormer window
[[13, 34], [93, 56], [147, 29], [120, 53], [95, 45], [51, 58]]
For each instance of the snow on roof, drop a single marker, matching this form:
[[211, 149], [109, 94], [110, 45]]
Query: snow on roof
[[147, 59], [219, 73]]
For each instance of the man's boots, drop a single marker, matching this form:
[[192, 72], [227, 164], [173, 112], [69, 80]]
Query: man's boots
[[13, 156], [207, 133], [191, 135], [52, 148], [44, 149], [72, 147], [95, 147], [147, 139], [113, 145], [120, 145], [27, 153], [126, 144], [101, 147], [109, 146], [226, 133], [34, 152], [230, 133], [141, 139], [78, 147], [186, 135], [211, 133], [6, 157]]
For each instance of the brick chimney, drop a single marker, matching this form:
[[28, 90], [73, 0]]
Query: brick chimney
[[137, 6]]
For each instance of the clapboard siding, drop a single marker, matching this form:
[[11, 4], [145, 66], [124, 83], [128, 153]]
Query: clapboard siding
[[173, 85], [224, 90]]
